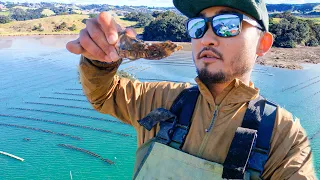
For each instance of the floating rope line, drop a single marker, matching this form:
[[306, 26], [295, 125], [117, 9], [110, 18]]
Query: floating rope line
[[73, 89], [131, 68], [263, 72], [304, 99], [176, 59], [309, 97], [71, 94], [260, 70], [42, 85], [183, 65], [171, 63], [307, 86], [41, 130], [140, 70], [60, 105], [34, 66], [164, 80], [285, 89], [24, 75], [68, 114], [34, 80], [67, 99], [315, 135], [87, 152], [36, 87], [66, 124]]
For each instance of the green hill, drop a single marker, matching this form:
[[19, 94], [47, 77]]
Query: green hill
[[4, 13], [52, 25]]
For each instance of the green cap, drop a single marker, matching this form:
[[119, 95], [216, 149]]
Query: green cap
[[255, 8]]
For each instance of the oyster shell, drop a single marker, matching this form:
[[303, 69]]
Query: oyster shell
[[133, 49]]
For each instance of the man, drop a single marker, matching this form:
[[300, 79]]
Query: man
[[224, 62]]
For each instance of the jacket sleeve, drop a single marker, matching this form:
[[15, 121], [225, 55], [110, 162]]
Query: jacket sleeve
[[290, 156], [122, 98]]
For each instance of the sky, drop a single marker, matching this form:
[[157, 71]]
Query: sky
[[157, 3]]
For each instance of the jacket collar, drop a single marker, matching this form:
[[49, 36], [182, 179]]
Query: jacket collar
[[235, 92]]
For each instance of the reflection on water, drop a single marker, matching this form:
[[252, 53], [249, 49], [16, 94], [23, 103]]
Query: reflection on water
[[39, 89], [5, 43], [30, 42]]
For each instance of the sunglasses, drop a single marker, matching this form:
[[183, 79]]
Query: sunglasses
[[223, 25]]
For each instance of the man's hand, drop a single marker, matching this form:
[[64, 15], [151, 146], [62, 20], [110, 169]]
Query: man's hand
[[97, 41]]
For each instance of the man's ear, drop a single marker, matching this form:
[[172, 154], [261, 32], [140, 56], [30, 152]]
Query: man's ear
[[266, 41]]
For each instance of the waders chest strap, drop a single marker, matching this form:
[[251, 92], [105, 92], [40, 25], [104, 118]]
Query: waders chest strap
[[174, 124], [259, 117], [235, 164]]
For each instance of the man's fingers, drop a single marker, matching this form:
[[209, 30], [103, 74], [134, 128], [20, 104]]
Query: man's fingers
[[75, 47], [109, 27], [131, 32], [88, 55], [90, 46], [97, 35], [97, 41]]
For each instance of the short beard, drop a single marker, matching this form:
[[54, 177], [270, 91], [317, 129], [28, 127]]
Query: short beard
[[239, 68], [209, 78]]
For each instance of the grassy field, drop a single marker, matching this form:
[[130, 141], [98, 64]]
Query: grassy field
[[22, 7], [49, 24], [4, 13], [316, 20], [48, 12], [276, 20], [124, 23]]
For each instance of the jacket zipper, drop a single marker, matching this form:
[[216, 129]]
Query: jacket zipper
[[205, 139]]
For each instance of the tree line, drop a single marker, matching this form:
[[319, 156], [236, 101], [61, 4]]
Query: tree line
[[160, 26], [18, 14], [291, 31]]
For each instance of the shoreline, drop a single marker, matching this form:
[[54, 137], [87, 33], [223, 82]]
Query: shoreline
[[38, 34], [284, 58], [290, 58]]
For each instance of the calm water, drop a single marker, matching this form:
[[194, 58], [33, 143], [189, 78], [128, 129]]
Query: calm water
[[39, 89]]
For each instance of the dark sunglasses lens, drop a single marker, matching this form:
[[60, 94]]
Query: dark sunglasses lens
[[196, 28], [226, 25]]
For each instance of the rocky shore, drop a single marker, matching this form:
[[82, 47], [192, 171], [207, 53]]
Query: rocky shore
[[289, 58]]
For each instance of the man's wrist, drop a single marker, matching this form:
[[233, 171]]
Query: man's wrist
[[104, 65]]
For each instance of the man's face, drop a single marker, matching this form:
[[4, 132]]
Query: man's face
[[220, 60]]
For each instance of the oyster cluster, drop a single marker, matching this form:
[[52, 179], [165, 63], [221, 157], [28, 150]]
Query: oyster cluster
[[133, 49]]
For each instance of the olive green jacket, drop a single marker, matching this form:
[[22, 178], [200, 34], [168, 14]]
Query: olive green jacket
[[290, 155]]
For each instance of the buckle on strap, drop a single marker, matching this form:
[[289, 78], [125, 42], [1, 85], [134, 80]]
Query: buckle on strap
[[180, 134], [166, 131], [156, 116]]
